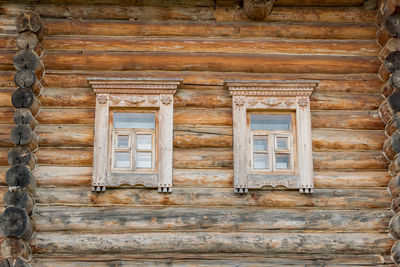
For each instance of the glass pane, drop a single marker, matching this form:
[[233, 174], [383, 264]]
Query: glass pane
[[143, 142], [134, 120], [123, 141], [122, 160], [260, 161], [260, 143], [282, 143], [143, 160], [282, 161], [271, 122]]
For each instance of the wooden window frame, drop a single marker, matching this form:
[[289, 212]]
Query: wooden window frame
[[120, 94], [272, 97]]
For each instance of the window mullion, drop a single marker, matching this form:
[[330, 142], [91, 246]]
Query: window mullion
[[272, 149]]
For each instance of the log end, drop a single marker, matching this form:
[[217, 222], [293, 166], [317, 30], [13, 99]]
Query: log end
[[15, 223], [21, 155], [395, 253], [28, 21]]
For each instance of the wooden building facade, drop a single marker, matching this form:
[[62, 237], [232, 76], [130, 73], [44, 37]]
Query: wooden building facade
[[347, 47]]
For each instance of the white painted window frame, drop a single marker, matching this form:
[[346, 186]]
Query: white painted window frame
[[133, 93], [271, 95]]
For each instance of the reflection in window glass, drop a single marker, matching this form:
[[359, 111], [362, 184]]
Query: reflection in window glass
[[260, 143], [143, 142], [282, 143], [143, 160], [134, 120], [122, 160], [123, 141], [270, 122], [282, 161], [260, 161]]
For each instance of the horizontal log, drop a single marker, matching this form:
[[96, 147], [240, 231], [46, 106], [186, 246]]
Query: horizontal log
[[204, 29], [209, 62], [363, 120], [351, 83], [332, 3], [261, 243], [190, 13], [123, 219], [259, 46], [173, 260], [82, 176], [209, 197], [295, 14], [204, 62]]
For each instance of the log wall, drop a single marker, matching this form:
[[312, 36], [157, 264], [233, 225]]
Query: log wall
[[202, 222]]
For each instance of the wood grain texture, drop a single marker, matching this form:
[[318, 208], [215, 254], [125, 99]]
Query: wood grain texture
[[210, 197], [173, 260], [214, 242], [132, 28], [223, 62], [351, 83], [126, 219], [81, 176], [190, 13]]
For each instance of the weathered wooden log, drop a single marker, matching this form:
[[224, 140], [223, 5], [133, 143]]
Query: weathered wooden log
[[394, 227], [29, 40], [227, 260], [395, 78], [23, 116], [392, 25], [24, 98], [14, 262], [394, 186], [207, 62], [24, 136], [198, 29], [257, 9], [28, 21], [88, 219], [394, 167], [216, 242], [392, 61], [19, 198], [21, 155], [345, 199], [15, 222], [14, 247], [395, 252], [28, 59], [227, 45], [20, 176], [26, 78]]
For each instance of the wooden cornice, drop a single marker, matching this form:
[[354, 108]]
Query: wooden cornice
[[128, 85], [271, 87]]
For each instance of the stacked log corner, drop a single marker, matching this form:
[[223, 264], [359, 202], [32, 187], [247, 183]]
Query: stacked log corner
[[15, 222], [388, 36]]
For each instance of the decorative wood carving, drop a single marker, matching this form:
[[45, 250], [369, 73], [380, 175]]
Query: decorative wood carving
[[136, 93], [272, 95], [257, 9]]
